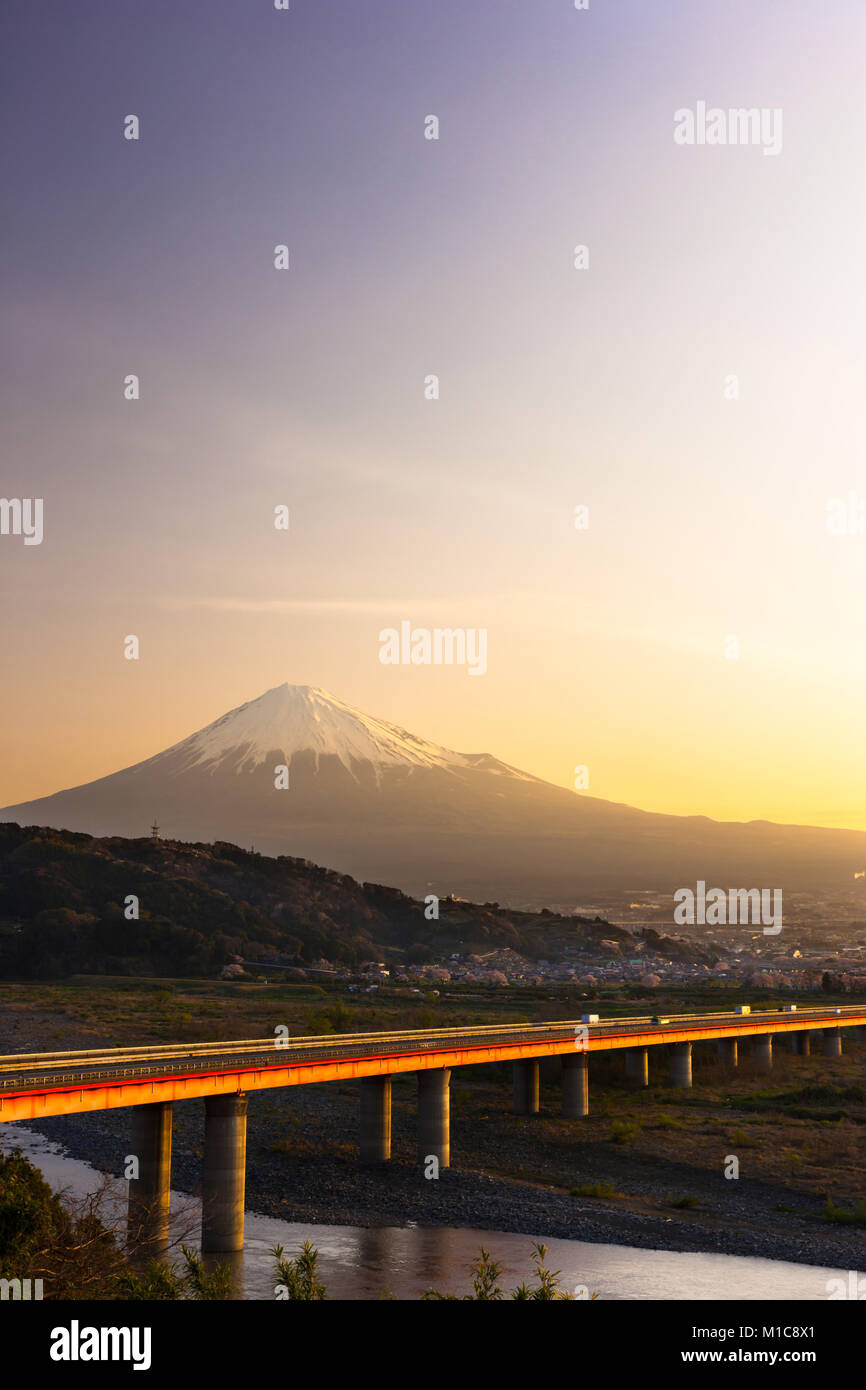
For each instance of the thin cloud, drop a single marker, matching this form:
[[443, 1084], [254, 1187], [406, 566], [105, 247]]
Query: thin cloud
[[388, 606]]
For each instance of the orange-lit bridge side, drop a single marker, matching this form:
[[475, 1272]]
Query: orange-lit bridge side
[[66, 1098]]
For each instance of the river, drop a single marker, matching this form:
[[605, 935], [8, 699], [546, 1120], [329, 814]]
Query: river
[[364, 1263]]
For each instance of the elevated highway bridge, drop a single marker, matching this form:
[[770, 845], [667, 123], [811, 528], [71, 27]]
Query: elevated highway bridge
[[149, 1079]]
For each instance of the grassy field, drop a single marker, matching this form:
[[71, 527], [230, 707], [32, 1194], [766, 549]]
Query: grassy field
[[124, 1010]]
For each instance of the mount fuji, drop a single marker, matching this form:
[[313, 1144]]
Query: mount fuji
[[372, 800]]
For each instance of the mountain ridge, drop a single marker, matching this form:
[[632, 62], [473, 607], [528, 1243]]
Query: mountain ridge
[[373, 800], [203, 906]]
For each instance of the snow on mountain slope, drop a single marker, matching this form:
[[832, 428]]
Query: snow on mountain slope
[[303, 718]]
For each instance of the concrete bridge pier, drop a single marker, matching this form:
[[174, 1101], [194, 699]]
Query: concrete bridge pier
[[832, 1042], [762, 1051], [434, 1116], [375, 1119], [575, 1085], [681, 1064], [728, 1053], [147, 1218], [801, 1044], [637, 1065], [526, 1086], [224, 1178]]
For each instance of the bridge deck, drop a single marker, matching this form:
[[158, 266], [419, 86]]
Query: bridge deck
[[40, 1084]]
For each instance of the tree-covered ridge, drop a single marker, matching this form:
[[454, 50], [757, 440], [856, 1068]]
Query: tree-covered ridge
[[64, 909]]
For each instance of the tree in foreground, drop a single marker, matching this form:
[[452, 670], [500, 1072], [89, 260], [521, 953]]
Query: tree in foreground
[[80, 1249], [298, 1279]]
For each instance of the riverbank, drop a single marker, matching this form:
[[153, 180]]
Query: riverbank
[[302, 1167]]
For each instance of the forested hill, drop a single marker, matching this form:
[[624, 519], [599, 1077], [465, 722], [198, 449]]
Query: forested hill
[[64, 899]]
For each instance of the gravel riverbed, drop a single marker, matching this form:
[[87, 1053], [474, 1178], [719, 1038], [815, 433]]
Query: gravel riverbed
[[302, 1167]]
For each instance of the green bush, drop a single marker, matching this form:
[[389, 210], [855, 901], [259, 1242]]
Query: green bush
[[595, 1189], [838, 1216]]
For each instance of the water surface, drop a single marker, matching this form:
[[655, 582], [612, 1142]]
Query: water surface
[[359, 1263]]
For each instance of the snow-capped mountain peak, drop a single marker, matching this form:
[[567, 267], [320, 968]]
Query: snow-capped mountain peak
[[368, 799], [304, 718]]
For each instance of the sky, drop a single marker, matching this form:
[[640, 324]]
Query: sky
[[699, 646]]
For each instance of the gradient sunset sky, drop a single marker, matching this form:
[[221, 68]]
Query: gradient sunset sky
[[603, 387]]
